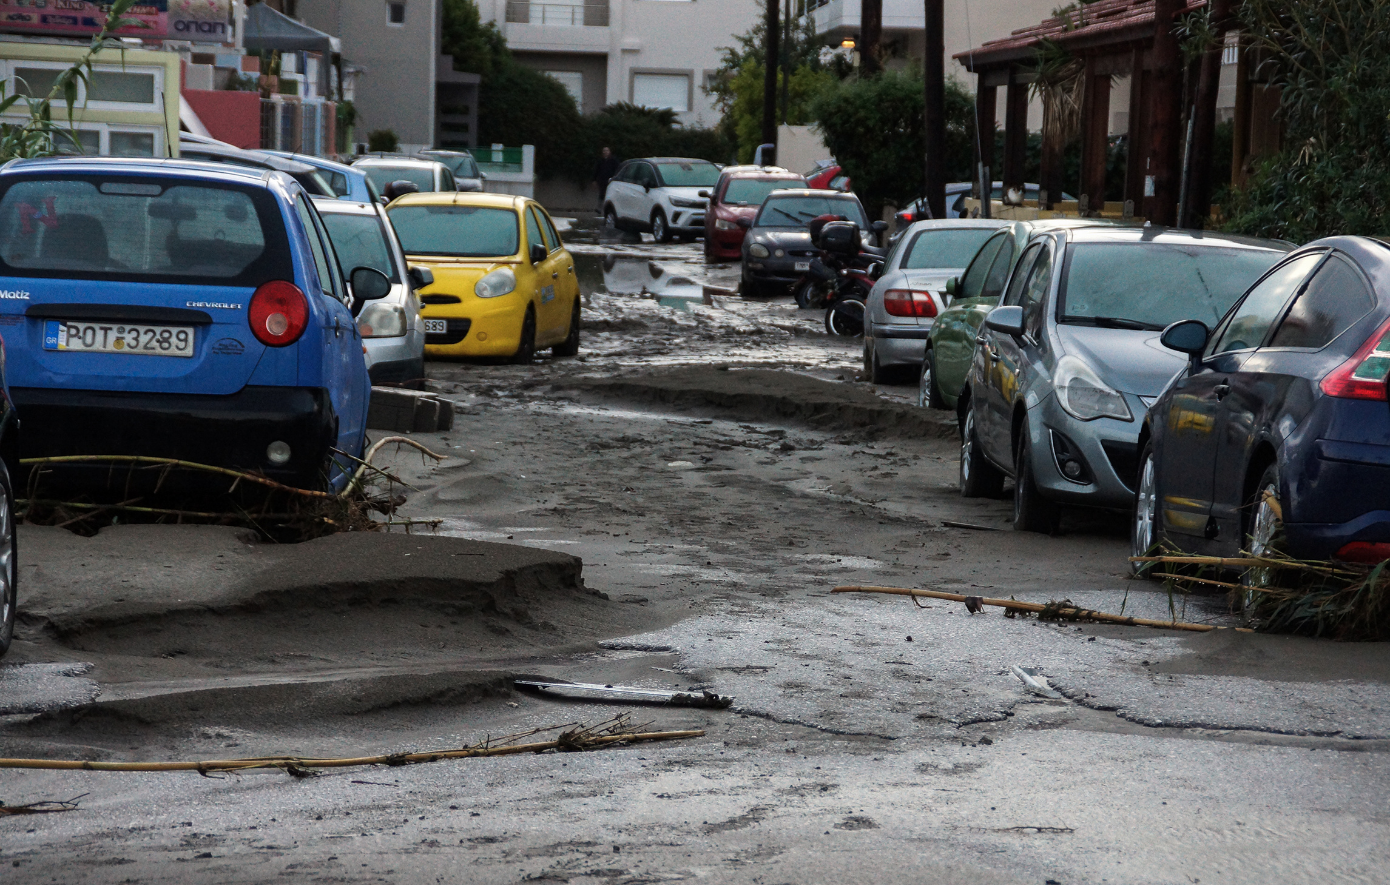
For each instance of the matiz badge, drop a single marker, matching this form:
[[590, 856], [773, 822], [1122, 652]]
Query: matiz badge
[[14, 294]]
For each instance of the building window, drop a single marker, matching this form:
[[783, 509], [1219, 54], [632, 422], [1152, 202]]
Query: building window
[[121, 86], [395, 14], [573, 81], [662, 91]]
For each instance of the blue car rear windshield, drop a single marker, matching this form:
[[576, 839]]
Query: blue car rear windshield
[[795, 212], [456, 231], [142, 229], [945, 249], [1150, 285]]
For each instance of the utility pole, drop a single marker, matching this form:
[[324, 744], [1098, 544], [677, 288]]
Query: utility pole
[[870, 36], [770, 81], [1164, 176], [934, 109], [786, 57], [1196, 208]]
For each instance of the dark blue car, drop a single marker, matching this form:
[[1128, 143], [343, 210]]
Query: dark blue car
[[180, 309], [9, 565], [1278, 430]]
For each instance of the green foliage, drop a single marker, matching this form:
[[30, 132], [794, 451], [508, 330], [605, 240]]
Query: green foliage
[[476, 47], [519, 105], [383, 140], [874, 128], [36, 136], [1330, 60], [633, 131]]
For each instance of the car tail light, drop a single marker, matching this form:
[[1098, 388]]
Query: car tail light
[[1364, 376], [1364, 551], [909, 303], [278, 314]]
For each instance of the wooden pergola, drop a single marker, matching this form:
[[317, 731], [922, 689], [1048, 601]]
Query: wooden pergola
[[1114, 38]]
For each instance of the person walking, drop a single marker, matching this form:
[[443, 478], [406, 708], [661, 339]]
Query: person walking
[[605, 170]]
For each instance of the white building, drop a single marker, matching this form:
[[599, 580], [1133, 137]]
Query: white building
[[658, 53]]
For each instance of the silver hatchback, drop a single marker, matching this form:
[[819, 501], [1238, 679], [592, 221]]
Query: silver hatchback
[[393, 334]]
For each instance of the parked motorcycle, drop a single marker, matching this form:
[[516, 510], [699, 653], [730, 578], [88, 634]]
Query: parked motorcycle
[[840, 277]]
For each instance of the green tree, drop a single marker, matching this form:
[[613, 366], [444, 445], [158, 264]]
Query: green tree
[[873, 126], [1330, 60]]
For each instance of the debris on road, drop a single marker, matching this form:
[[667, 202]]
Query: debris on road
[[950, 523], [1052, 611], [408, 411], [587, 690], [579, 737], [51, 806], [1029, 677]]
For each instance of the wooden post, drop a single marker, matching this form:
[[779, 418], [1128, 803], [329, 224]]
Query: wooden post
[[1137, 163], [1197, 207], [1240, 139], [934, 108], [1015, 133], [1165, 118], [1095, 135], [770, 81], [870, 36], [986, 99]]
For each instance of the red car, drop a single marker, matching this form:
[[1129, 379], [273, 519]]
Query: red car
[[736, 197], [829, 176]]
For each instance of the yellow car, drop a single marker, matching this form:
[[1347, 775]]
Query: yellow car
[[504, 285]]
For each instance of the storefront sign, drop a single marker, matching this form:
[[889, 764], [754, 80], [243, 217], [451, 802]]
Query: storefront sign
[[76, 17], [201, 21]]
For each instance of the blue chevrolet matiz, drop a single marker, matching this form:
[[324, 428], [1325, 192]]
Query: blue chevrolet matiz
[[180, 309]]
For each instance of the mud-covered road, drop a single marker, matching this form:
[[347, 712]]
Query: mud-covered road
[[671, 510]]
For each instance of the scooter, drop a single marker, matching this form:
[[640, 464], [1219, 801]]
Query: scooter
[[840, 278]]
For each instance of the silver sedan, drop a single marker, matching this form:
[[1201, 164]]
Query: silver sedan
[[910, 294]]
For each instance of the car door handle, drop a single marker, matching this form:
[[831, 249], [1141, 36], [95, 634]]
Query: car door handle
[[555, 275], [1221, 390], [980, 339], [571, 268]]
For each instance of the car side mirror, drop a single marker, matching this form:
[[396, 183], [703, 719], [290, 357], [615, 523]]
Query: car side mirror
[[704, 195], [538, 253], [875, 270], [952, 287], [369, 284], [1186, 336], [1006, 320], [482, 176], [879, 227], [744, 223], [421, 276]]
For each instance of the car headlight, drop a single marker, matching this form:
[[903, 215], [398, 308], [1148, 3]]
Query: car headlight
[[758, 250], [687, 204], [724, 224], [1083, 395], [381, 321], [500, 282]]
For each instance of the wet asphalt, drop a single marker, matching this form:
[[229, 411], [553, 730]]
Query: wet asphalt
[[870, 739]]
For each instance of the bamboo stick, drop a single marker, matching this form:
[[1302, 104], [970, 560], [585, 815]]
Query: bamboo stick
[[295, 762], [173, 462], [1071, 613]]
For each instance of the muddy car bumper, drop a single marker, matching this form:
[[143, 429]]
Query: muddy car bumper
[[224, 431], [1105, 450], [773, 270], [897, 345]]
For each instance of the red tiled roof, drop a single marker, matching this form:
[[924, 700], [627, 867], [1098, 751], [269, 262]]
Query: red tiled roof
[[1104, 22]]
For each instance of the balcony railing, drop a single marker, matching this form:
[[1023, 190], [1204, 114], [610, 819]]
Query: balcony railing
[[565, 15]]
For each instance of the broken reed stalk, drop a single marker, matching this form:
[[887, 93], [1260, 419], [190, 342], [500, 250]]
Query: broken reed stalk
[[239, 475], [577, 740], [365, 461], [127, 508], [1052, 610]]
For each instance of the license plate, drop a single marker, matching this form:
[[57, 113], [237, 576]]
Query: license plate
[[140, 340], [803, 265], [436, 326]]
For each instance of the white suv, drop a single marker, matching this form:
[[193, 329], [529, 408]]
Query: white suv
[[664, 195]]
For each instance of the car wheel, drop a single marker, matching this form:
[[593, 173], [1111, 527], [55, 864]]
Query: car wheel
[[570, 346], [9, 570], [1032, 512], [805, 295], [845, 317], [928, 394], [526, 350], [750, 288], [660, 232], [610, 217], [1264, 534], [978, 477], [1144, 532]]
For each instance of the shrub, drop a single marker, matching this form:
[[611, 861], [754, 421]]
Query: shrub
[[383, 140]]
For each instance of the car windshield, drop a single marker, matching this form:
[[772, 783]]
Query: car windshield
[[945, 248], [796, 211], [420, 176], [360, 241], [752, 191], [698, 174], [460, 231], [1150, 285], [141, 228], [463, 167], [337, 181]]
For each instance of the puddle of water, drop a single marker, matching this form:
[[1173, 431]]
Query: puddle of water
[[642, 277]]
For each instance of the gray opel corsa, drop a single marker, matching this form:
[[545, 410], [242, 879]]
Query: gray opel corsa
[[1070, 361]]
